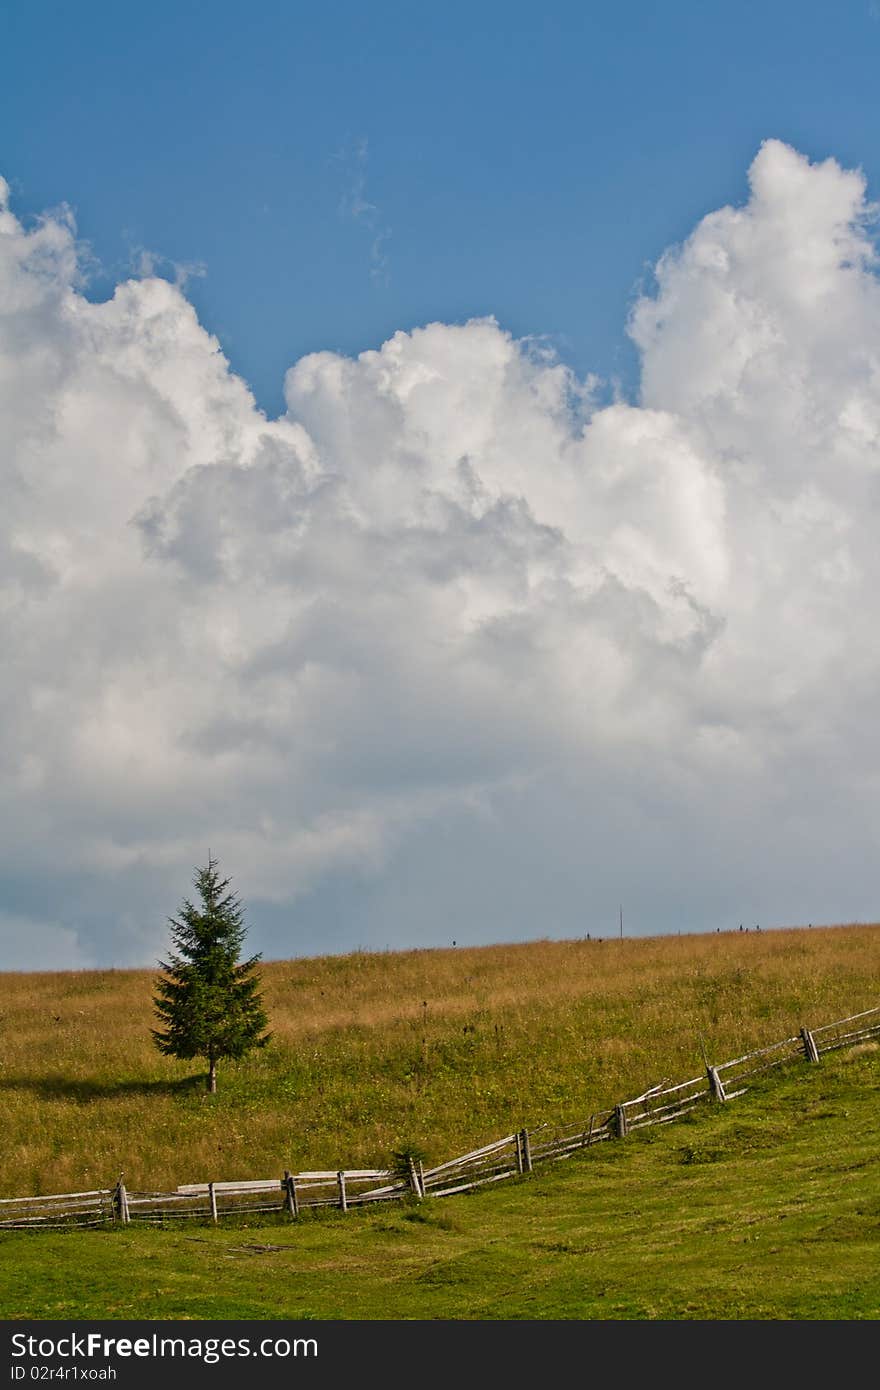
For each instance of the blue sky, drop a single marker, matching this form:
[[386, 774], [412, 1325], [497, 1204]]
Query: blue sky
[[537, 575], [527, 163]]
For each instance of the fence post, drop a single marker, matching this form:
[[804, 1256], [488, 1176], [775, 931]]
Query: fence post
[[414, 1179], [343, 1200], [811, 1052], [421, 1171], [519, 1154], [120, 1203], [620, 1126], [526, 1151], [587, 1136], [212, 1198], [290, 1193], [715, 1084]]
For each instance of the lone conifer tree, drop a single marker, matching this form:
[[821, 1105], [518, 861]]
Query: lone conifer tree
[[209, 1004]]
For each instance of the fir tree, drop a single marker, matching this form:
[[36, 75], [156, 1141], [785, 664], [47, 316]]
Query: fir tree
[[209, 1002]]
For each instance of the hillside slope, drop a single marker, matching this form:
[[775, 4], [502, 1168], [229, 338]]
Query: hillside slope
[[444, 1049], [765, 1208]]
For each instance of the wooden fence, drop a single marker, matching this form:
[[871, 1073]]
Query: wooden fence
[[511, 1156], [61, 1209]]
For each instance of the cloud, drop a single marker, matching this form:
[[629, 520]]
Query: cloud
[[29, 944], [354, 204], [448, 650], [147, 265]]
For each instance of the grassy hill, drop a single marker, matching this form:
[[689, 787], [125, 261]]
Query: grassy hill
[[446, 1049], [765, 1208]]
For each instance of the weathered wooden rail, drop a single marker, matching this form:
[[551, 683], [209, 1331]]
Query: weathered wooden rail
[[512, 1156], [59, 1209]]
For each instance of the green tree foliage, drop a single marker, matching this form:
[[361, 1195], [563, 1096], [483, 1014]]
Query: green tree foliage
[[209, 1001]]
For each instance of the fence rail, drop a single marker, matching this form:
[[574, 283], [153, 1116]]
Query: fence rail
[[512, 1156], [58, 1209]]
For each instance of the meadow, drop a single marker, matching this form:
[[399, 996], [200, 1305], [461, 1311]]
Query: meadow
[[372, 1052], [766, 1208]]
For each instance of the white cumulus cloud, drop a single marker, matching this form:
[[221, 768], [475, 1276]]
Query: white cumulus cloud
[[448, 650]]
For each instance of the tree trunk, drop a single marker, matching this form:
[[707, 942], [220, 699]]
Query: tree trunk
[[212, 1075]]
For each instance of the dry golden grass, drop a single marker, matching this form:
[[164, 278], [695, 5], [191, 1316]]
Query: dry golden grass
[[443, 1048]]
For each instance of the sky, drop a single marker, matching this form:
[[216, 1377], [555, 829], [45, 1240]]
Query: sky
[[440, 468]]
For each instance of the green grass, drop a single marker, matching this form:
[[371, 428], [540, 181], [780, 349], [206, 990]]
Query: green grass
[[445, 1049], [765, 1208]]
